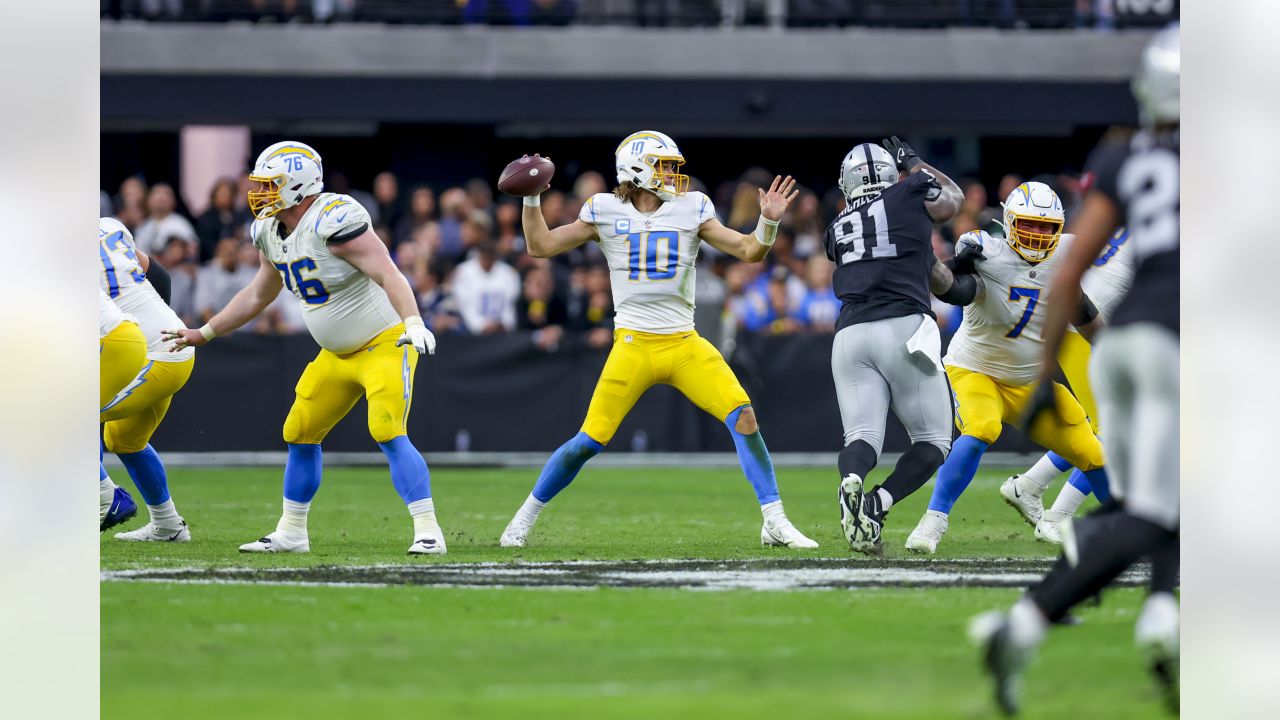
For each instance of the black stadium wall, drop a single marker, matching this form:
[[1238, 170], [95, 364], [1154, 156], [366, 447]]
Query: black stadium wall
[[500, 393]]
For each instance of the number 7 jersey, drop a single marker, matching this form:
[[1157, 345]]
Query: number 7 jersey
[[344, 308], [651, 258]]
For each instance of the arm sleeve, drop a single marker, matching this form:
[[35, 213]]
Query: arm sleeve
[[962, 291], [160, 280], [923, 183], [1103, 170]]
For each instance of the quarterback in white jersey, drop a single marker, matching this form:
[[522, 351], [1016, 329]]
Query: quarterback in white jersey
[[993, 361], [360, 310], [650, 229], [132, 415]]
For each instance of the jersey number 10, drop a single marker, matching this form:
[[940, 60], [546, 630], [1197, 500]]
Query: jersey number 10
[[857, 229], [647, 244]]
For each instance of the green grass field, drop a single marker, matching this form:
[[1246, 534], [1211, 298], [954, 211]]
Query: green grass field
[[264, 650]]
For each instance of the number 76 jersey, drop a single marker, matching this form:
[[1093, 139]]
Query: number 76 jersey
[[1001, 336]]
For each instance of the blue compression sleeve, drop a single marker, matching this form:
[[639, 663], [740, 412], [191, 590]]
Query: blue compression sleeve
[[957, 472], [148, 474], [563, 466], [302, 473], [754, 458], [1096, 479], [408, 469], [1058, 461]]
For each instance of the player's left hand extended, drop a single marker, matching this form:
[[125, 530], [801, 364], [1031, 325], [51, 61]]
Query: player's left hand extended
[[1042, 401], [417, 335], [775, 202]]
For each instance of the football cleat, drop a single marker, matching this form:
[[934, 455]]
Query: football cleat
[[928, 532], [1001, 657], [152, 533], [1156, 634], [278, 542], [779, 532], [428, 545], [861, 527], [1026, 501], [1049, 529], [516, 534], [120, 509]]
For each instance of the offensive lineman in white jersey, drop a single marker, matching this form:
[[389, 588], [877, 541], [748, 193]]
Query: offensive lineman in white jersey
[[994, 359], [132, 415], [1105, 283], [359, 308], [650, 229]]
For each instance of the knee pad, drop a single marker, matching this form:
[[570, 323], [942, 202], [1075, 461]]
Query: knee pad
[[297, 432]]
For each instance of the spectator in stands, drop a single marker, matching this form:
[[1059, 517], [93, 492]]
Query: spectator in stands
[[163, 222], [182, 279], [588, 183], [1007, 184], [541, 310], [438, 305], [130, 203], [770, 312], [487, 289], [594, 314], [386, 193], [819, 307], [222, 219], [221, 278], [453, 211], [105, 208], [807, 227], [422, 210], [510, 233], [338, 183], [480, 194]]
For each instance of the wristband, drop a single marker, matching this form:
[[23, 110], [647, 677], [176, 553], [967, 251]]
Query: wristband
[[207, 332], [532, 200], [766, 231]]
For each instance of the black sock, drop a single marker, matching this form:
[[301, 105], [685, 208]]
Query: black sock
[[913, 470], [1165, 565], [858, 458], [1108, 544]]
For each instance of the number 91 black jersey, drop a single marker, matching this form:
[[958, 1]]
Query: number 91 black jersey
[[883, 250], [1141, 177]]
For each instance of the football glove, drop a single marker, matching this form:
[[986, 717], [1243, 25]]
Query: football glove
[[968, 252], [417, 335], [902, 153]]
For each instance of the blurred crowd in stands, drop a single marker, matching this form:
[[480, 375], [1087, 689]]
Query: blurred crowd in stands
[[463, 252], [655, 13]]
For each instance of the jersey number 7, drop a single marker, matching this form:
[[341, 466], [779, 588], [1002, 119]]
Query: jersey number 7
[[1032, 296]]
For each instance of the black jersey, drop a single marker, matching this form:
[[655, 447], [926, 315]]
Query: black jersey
[[883, 249], [1141, 178]]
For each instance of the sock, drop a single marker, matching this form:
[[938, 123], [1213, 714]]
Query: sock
[[1045, 471], [165, 515], [530, 509], [148, 474], [106, 488], [886, 500], [293, 520], [409, 471], [857, 458], [957, 472], [754, 458], [302, 474], [773, 510], [1068, 500], [1097, 479], [423, 513], [1108, 544], [913, 470], [1027, 626], [563, 466]]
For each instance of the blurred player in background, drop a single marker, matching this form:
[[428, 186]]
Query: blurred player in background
[[1106, 282], [1135, 375], [994, 359], [887, 351], [122, 351], [649, 229], [359, 308], [139, 287]]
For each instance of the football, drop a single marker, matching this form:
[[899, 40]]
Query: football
[[526, 176]]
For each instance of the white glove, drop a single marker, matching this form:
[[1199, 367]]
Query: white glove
[[417, 335]]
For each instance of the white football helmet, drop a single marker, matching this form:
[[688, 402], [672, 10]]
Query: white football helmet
[[293, 172], [866, 169], [1039, 203], [1155, 84], [649, 159]]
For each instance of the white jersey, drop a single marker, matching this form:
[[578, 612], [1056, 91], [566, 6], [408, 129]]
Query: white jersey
[[109, 316], [651, 258], [123, 281], [344, 308], [1109, 278], [1001, 335]]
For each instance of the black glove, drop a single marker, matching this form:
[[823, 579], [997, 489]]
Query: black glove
[[1042, 401], [902, 153], [965, 262]]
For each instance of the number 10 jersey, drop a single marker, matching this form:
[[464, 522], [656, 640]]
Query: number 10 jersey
[[651, 258]]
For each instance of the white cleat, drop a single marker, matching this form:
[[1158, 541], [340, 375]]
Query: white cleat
[[1029, 504], [516, 534], [152, 533], [928, 532], [278, 542], [860, 529], [1156, 634], [428, 545], [1049, 529], [779, 532]]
